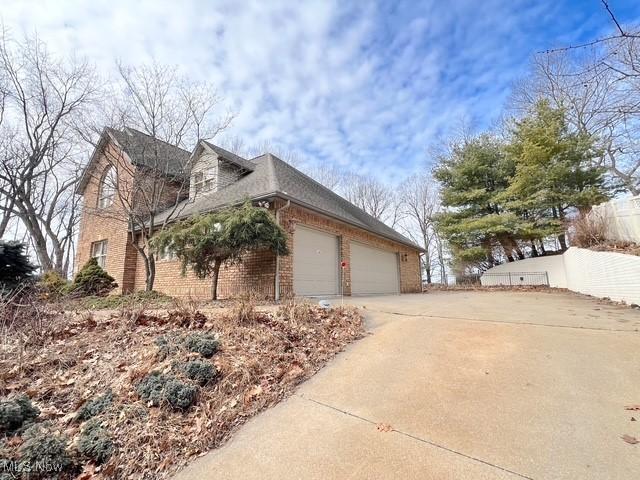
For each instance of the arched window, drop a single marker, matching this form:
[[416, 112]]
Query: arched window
[[107, 188]]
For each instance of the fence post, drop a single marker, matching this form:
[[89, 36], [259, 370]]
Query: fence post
[[510, 281], [546, 276]]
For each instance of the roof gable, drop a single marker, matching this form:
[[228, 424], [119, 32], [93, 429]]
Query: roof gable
[[142, 150]]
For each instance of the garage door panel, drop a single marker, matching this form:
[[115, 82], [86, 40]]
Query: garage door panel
[[373, 271], [315, 262]]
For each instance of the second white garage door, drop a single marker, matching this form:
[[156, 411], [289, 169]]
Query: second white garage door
[[373, 271], [315, 262]]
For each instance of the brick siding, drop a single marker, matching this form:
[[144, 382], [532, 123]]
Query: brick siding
[[256, 274], [410, 280], [107, 224]]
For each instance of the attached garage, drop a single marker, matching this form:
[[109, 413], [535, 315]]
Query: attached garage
[[373, 271], [315, 262]]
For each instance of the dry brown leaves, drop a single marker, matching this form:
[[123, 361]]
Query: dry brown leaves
[[384, 427], [261, 362]]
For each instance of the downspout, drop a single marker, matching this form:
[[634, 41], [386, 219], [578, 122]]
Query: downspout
[[277, 280]]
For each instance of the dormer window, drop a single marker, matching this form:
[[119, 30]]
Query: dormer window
[[204, 181], [107, 189]]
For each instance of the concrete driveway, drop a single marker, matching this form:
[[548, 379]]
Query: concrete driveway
[[458, 385]]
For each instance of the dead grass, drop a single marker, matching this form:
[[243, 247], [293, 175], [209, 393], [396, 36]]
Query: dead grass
[[262, 357]]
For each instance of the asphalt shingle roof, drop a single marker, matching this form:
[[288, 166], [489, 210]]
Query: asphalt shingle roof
[[272, 176], [145, 150]]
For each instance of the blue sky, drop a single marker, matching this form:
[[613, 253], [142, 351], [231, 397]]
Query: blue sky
[[368, 86]]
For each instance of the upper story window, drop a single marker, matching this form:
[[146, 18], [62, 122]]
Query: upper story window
[[99, 252], [204, 181], [107, 189]]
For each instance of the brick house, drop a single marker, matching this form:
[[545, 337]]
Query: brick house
[[324, 230]]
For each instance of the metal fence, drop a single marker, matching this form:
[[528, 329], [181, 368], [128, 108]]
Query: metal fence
[[494, 279], [514, 279]]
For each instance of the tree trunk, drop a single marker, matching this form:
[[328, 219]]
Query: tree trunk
[[214, 284], [543, 251], [507, 250], [150, 267], [534, 250], [518, 251], [427, 269], [563, 242]]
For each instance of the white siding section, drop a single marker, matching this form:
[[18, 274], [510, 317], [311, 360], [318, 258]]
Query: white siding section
[[622, 218], [221, 173], [601, 274]]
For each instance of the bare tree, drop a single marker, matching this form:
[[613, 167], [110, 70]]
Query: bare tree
[[420, 203], [369, 194], [170, 114], [42, 98]]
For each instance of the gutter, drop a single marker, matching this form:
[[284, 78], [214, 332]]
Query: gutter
[[277, 279]]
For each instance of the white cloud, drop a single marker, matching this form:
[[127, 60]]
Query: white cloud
[[367, 86]]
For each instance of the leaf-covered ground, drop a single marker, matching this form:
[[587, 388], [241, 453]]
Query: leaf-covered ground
[[70, 363]]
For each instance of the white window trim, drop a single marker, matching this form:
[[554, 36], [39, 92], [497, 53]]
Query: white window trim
[[204, 181], [107, 188], [99, 252]]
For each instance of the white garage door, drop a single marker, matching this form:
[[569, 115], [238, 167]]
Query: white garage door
[[315, 262], [373, 271]]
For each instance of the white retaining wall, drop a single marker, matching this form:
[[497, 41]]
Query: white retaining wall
[[601, 274], [553, 265], [621, 217]]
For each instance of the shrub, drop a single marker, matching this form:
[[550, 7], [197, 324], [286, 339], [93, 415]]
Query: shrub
[[294, 311], [93, 280], [95, 442], [179, 394], [244, 311], [150, 388], [43, 446], [95, 406], [205, 344], [589, 230], [15, 413], [157, 389], [16, 268], [199, 371], [53, 285]]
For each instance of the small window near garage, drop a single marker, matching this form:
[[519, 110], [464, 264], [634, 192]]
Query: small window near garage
[[99, 252], [166, 254], [107, 189]]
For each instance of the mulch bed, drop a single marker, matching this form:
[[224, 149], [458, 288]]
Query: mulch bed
[[71, 359]]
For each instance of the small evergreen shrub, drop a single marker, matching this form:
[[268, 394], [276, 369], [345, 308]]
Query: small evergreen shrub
[[151, 388], [95, 442], [95, 406], [159, 389], [199, 371], [43, 446], [205, 344], [15, 413], [179, 395], [53, 285], [166, 346], [93, 280]]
